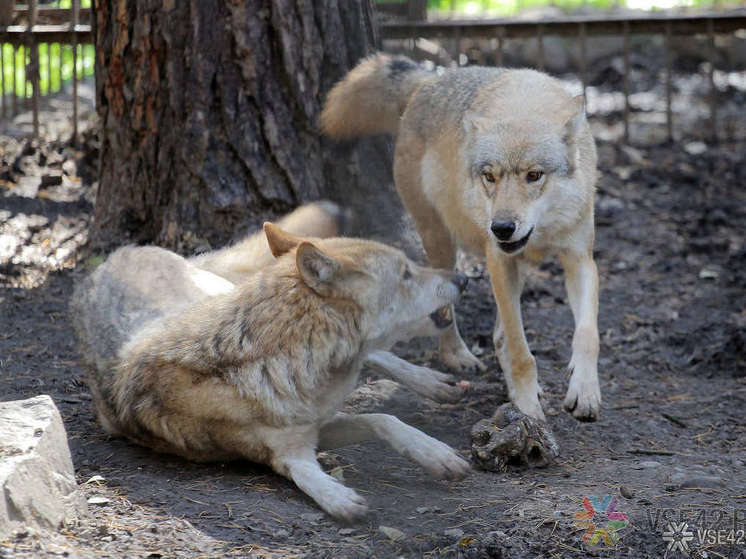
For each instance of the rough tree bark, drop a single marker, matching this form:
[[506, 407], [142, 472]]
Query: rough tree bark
[[208, 115]]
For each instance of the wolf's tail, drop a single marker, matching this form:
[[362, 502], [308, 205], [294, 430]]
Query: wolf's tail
[[372, 97], [235, 263]]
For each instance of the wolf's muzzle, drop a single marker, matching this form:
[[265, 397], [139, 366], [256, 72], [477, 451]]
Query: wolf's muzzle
[[514, 246]]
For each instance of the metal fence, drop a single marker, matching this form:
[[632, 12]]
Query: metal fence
[[26, 28], [48, 24], [581, 28]]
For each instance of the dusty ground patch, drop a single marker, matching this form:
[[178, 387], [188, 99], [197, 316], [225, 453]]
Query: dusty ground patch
[[671, 440]]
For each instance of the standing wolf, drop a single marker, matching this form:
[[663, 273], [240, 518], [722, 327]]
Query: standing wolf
[[501, 162], [186, 362]]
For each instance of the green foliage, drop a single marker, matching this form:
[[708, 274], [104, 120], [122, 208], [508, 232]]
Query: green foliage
[[478, 8], [52, 66]]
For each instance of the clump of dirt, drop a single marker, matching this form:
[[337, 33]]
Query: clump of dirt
[[511, 437]]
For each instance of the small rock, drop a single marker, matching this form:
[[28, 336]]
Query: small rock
[[695, 148], [626, 492], [281, 533], [647, 464], [706, 482], [709, 274], [312, 516], [392, 533], [455, 533], [98, 501], [423, 510], [346, 531], [70, 168]]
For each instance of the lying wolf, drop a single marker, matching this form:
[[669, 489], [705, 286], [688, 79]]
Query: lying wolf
[[186, 362], [501, 162]]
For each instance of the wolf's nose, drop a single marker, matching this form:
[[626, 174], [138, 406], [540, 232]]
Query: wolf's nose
[[503, 230], [460, 280]]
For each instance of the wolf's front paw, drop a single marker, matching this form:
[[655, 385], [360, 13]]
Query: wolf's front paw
[[583, 397], [441, 387], [461, 360], [343, 503], [439, 459], [527, 401]]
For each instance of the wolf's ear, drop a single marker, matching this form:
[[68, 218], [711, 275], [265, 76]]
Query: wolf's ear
[[571, 129], [279, 241], [317, 269], [474, 123], [575, 115]]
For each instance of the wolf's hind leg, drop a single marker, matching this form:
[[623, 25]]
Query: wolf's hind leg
[[435, 457], [422, 380], [437, 241]]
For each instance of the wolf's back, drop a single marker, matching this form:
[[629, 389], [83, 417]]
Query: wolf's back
[[372, 97], [134, 286]]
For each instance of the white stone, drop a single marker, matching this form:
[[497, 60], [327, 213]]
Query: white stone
[[37, 480]]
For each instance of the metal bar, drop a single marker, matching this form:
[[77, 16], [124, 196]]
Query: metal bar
[[500, 44], [417, 10], [15, 85], [680, 25], [669, 77], [59, 69], [54, 33], [76, 12], [713, 89], [400, 9], [25, 100], [49, 68], [457, 41], [34, 67], [583, 60], [59, 14], [540, 44], [626, 82], [2, 78]]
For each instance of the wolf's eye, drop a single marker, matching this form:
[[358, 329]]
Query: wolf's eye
[[488, 176], [407, 273], [533, 176]]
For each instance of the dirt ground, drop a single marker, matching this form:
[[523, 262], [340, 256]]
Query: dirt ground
[[670, 445]]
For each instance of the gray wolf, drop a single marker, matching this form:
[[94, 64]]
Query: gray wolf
[[502, 163], [186, 362]]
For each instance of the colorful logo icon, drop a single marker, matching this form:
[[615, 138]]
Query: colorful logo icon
[[601, 521]]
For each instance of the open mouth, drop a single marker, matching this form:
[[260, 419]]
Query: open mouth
[[514, 246], [442, 318]]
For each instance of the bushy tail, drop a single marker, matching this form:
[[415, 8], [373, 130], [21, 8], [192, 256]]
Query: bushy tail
[[235, 263], [372, 97]]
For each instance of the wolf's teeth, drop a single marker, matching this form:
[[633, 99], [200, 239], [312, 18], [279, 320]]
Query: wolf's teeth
[[446, 312]]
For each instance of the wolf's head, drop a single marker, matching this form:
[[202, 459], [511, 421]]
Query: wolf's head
[[397, 298], [529, 155]]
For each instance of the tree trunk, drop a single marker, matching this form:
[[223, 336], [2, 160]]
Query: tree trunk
[[208, 115]]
